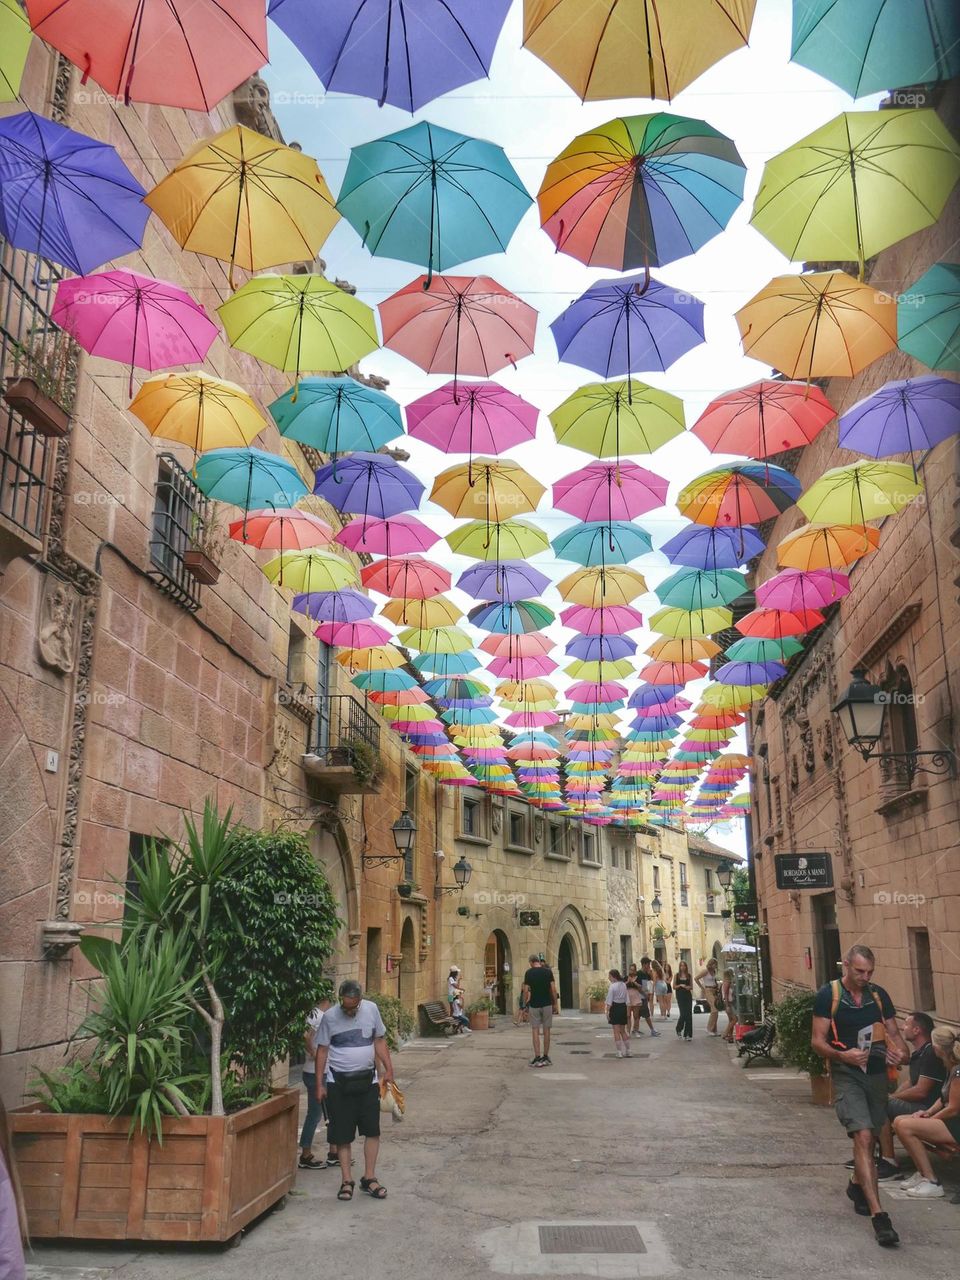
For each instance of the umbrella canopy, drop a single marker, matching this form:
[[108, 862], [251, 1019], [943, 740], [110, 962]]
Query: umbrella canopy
[[491, 490], [246, 199], [469, 417], [608, 491], [15, 44], [670, 672], [337, 415], [176, 53], [299, 323], [631, 48], [503, 540], [819, 325], [529, 645], [598, 543], [198, 410], [65, 196], [437, 611], [628, 325], [860, 492], [249, 478], [865, 46], [826, 546], [764, 418], [745, 493], [641, 191], [370, 484], [356, 635], [697, 588], [511, 618], [602, 586], [796, 589], [755, 649], [600, 648], [928, 317], [405, 578], [606, 620], [310, 572], [381, 657], [394, 536], [689, 623], [508, 581], [385, 681], [401, 52], [344, 605], [432, 197], [857, 185], [750, 672], [903, 417], [458, 324], [774, 624], [708, 547], [436, 639], [609, 419], [283, 530], [683, 650]]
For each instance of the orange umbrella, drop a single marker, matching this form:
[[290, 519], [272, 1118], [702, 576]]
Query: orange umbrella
[[826, 546]]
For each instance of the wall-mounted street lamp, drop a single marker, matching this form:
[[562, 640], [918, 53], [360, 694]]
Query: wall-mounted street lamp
[[861, 711], [404, 834], [725, 869], [462, 871], [656, 906]]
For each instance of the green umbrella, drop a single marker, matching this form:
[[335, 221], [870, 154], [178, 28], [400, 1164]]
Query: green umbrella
[[857, 185], [15, 36], [503, 540], [701, 588], [615, 419], [753, 649], [928, 317]]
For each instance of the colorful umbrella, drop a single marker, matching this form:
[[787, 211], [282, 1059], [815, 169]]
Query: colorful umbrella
[[689, 624], [383, 657], [337, 415], [198, 410], [619, 327], [356, 635], [826, 546], [774, 624], [641, 191], [860, 492], [609, 419], [857, 185], [15, 43], [503, 540], [491, 490], [458, 324], [511, 618], [401, 52], [609, 491], [765, 418], [903, 417], [436, 639], [394, 536], [299, 323], [750, 672], [249, 478], [694, 650], [405, 577], [602, 586], [819, 325], [705, 547], [508, 581], [432, 197], [384, 680], [600, 648], [607, 620], [246, 199], [753, 649], [528, 645], [65, 196], [798, 589], [697, 588], [308, 572], [437, 611], [283, 530], [177, 53], [868, 46], [631, 48], [744, 493], [344, 605], [598, 543], [471, 417], [928, 317], [371, 484], [669, 673]]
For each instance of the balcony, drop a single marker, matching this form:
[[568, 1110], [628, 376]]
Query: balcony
[[345, 748]]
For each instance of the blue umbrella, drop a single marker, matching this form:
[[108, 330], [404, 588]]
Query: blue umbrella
[[249, 478], [65, 196], [600, 648], [469, 715], [652, 695], [928, 317], [445, 664], [370, 484], [511, 619], [384, 681], [401, 52], [334, 606], [337, 415], [433, 197], [750, 672], [902, 417], [505, 580], [703, 547], [598, 542], [619, 327]]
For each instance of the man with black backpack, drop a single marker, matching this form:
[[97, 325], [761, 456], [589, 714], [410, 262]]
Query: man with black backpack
[[855, 1030]]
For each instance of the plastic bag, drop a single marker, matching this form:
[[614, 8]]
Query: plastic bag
[[391, 1099]]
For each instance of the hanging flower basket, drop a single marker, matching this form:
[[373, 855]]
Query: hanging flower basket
[[199, 565], [25, 397]]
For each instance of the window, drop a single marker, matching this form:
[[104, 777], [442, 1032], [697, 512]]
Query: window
[[411, 788], [588, 847], [595, 955], [626, 952], [921, 963], [628, 859], [656, 877], [518, 829], [471, 818], [556, 834], [177, 507], [614, 858], [711, 904], [708, 877], [684, 896], [900, 728], [296, 655]]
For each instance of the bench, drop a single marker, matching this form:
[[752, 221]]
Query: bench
[[759, 1043], [434, 1014]]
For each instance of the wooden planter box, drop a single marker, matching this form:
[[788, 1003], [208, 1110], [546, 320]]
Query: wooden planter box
[[44, 415], [479, 1021], [84, 1180], [200, 566]]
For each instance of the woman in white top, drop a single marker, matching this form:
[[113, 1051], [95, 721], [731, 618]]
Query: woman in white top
[[707, 982], [728, 1001], [616, 1005]]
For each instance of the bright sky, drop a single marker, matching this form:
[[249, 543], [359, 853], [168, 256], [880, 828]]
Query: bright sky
[[755, 96]]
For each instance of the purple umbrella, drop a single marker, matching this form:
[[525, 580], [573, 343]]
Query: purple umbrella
[[903, 417], [65, 196], [600, 648], [750, 672], [334, 606], [703, 547], [370, 484], [649, 695], [619, 327], [404, 52], [505, 580]]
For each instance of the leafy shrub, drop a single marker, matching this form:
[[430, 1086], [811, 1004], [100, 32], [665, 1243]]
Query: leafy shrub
[[73, 1088], [598, 991], [399, 1021], [483, 1005], [794, 1020]]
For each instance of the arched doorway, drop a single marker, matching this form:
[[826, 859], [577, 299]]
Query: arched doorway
[[717, 948], [408, 966], [566, 964], [497, 969]]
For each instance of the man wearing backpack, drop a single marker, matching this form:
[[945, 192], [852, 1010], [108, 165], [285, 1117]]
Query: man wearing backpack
[[855, 1030]]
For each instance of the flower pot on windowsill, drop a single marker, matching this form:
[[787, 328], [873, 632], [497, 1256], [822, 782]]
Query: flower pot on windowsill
[[405, 890], [199, 565], [43, 413], [480, 1021]]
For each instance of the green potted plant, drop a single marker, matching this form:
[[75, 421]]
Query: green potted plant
[[597, 995], [207, 538], [43, 382], [400, 1022], [479, 1013], [407, 888], [794, 1022]]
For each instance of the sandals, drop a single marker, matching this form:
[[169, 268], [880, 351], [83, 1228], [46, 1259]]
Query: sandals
[[346, 1191], [373, 1187], [311, 1162]]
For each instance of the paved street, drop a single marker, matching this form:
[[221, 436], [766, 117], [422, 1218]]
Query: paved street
[[715, 1167]]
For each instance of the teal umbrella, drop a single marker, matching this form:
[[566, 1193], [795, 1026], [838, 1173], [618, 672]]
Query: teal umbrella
[[249, 478], [384, 681], [598, 542], [753, 649], [867, 46], [701, 588], [928, 317], [337, 415], [433, 197]]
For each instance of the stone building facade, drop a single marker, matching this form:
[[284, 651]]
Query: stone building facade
[[893, 838]]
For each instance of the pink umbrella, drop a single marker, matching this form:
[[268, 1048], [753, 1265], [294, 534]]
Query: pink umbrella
[[531, 719], [588, 691], [460, 324], [474, 417], [134, 319], [394, 536], [353, 635], [672, 672], [409, 578], [521, 668], [531, 645], [284, 530], [612, 619], [799, 589], [606, 491]]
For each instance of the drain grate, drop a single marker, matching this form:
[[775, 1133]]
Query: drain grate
[[581, 1051], [597, 1238], [565, 1043]]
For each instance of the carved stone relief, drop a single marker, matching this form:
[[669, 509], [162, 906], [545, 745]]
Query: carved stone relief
[[57, 625]]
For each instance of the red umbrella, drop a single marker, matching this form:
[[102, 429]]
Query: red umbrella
[[672, 672], [764, 418], [531, 645], [284, 530], [405, 578], [774, 624]]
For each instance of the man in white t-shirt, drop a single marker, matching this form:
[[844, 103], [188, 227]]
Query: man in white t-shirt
[[316, 1110], [351, 1051]]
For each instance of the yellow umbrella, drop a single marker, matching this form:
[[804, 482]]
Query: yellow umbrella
[[602, 586], [311, 571], [683, 650], [506, 540], [606, 720], [417, 712], [488, 489], [860, 491], [436, 639], [599, 671], [246, 199], [690, 624], [819, 325], [525, 690], [380, 657], [15, 37], [634, 48], [733, 696], [198, 410], [421, 614]]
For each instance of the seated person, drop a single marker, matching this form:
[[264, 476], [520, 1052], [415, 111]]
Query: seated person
[[920, 1092], [938, 1126]]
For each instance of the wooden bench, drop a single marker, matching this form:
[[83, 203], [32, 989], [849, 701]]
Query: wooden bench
[[434, 1014], [758, 1043]]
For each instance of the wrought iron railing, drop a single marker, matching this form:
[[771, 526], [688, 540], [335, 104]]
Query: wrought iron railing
[[344, 725]]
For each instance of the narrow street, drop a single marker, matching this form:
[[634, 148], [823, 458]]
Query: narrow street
[[716, 1168]]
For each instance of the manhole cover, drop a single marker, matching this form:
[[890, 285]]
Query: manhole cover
[[581, 1051], [567, 1042], [601, 1238]]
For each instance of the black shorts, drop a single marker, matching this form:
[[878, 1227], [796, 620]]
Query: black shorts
[[352, 1113], [618, 1015]]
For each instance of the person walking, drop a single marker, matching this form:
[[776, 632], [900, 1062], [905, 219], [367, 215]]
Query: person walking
[[709, 991], [668, 978], [634, 1001], [646, 987], [455, 995], [316, 1110], [352, 1060], [616, 1007], [659, 988], [728, 1002], [683, 986], [939, 1126], [542, 1000], [855, 1030]]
